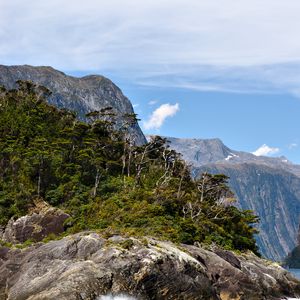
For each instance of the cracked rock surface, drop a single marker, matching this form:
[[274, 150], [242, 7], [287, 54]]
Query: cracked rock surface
[[87, 266], [35, 226]]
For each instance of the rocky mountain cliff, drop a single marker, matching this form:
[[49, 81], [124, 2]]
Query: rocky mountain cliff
[[269, 186], [88, 266], [81, 95]]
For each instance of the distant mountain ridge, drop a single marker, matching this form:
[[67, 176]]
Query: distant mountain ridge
[[200, 152], [268, 185], [82, 95]]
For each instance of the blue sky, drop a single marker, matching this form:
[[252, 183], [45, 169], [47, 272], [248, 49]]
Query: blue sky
[[217, 68], [243, 121]]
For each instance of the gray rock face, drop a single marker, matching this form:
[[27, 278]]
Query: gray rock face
[[268, 186], [87, 266], [81, 95], [35, 226]]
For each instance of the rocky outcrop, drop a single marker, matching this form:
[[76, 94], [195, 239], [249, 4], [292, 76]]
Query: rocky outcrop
[[37, 225], [269, 186], [81, 95], [87, 266]]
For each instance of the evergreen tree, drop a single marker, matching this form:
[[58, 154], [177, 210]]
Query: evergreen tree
[[106, 182]]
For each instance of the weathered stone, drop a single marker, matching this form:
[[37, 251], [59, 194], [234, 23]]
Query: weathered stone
[[229, 257], [35, 226], [86, 266]]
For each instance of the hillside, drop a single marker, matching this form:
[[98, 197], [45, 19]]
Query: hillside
[[93, 173], [268, 186], [81, 95], [274, 195]]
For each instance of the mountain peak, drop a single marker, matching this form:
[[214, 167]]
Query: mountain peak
[[83, 95], [201, 151]]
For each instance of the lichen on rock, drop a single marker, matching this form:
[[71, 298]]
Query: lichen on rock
[[42, 221], [88, 266]]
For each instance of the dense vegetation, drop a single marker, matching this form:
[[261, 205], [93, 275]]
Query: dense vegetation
[[103, 181]]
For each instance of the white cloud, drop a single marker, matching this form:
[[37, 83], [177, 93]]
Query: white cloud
[[201, 45], [158, 117], [265, 150], [292, 146], [152, 102]]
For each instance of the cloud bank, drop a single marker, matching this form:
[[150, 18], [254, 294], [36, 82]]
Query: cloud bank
[[246, 46], [159, 116], [265, 150]]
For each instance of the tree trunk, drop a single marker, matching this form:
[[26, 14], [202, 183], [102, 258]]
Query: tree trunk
[[97, 180], [39, 183]]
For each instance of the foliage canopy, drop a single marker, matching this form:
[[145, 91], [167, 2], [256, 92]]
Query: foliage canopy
[[105, 182]]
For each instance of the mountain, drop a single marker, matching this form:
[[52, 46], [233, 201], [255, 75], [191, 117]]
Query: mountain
[[200, 152], [82, 95], [269, 186], [59, 175], [102, 181], [276, 188]]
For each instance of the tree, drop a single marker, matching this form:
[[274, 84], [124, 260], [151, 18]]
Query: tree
[[104, 180]]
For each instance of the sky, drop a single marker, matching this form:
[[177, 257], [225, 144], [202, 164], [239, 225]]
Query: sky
[[201, 69]]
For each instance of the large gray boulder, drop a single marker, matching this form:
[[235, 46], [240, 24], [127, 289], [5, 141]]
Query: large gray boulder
[[87, 266], [41, 222]]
